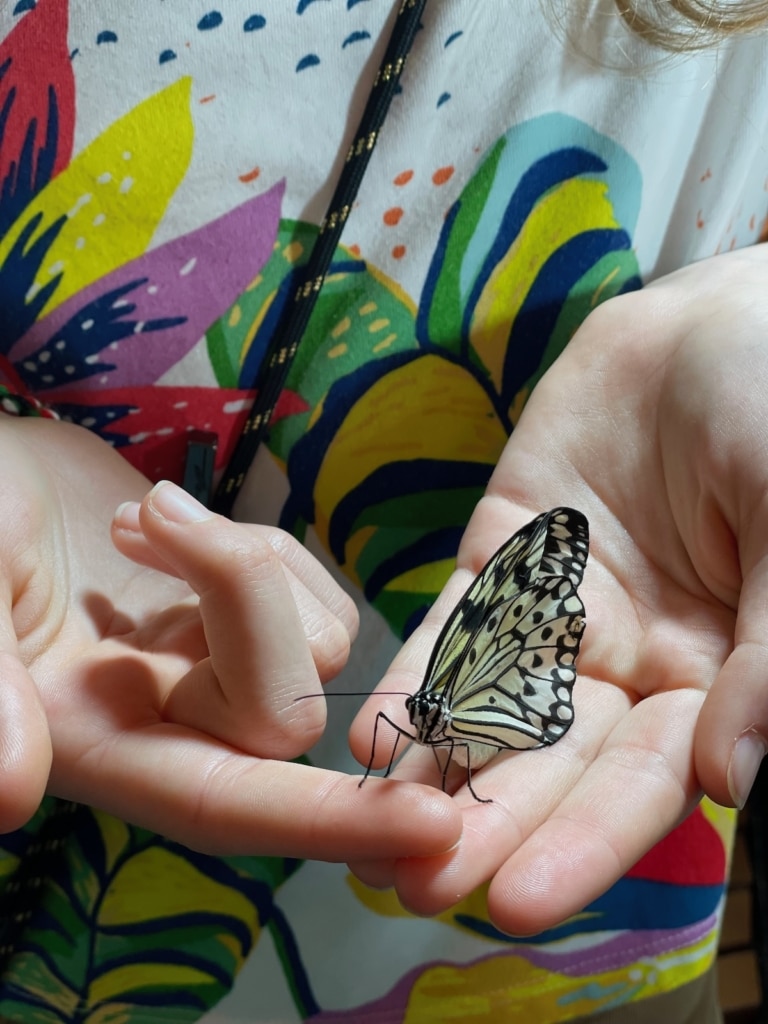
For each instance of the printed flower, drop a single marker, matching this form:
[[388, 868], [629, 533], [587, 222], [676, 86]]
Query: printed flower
[[95, 318]]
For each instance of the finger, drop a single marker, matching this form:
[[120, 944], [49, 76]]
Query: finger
[[246, 693], [25, 745], [732, 730], [376, 874], [221, 802], [129, 539], [329, 615], [636, 791], [305, 568], [524, 788]]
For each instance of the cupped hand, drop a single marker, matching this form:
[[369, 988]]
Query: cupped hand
[[653, 424], [152, 665]]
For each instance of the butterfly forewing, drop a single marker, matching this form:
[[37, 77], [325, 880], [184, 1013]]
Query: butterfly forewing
[[567, 545], [555, 543]]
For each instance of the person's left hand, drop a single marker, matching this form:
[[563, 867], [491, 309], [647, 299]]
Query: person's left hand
[[653, 423], [164, 687]]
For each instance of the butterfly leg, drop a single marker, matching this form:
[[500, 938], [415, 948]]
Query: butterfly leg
[[394, 752], [442, 768], [400, 732], [479, 799], [452, 744]]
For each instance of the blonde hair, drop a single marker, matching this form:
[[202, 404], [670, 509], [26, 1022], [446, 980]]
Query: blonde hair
[[681, 25]]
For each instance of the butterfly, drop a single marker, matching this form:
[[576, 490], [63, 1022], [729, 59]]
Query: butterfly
[[501, 674]]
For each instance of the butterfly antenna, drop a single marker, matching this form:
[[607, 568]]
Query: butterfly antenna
[[363, 693]]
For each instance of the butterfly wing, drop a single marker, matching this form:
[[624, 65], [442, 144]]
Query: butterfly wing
[[501, 674], [555, 543], [513, 686], [566, 545]]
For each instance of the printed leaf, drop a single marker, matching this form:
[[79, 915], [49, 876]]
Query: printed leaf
[[409, 424], [360, 315], [516, 260], [131, 927]]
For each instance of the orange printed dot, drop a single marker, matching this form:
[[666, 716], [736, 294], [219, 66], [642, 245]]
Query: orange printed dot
[[355, 249], [398, 252], [706, 175], [250, 175], [699, 220], [393, 216], [207, 99], [752, 222], [404, 178], [442, 175]]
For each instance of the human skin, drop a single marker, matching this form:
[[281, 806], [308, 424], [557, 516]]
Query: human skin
[[653, 424], [161, 686]]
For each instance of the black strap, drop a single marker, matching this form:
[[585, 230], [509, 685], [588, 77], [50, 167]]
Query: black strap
[[278, 360]]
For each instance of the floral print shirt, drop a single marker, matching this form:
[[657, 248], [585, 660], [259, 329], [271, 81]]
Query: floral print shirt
[[163, 169]]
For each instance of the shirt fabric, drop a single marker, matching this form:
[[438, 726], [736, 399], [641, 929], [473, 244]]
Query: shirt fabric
[[164, 167]]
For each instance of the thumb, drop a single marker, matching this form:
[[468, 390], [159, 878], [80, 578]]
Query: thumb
[[732, 730], [25, 743]]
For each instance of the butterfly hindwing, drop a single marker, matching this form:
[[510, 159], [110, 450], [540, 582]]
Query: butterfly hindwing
[[513, 688]]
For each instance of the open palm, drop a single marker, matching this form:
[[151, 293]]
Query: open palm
[[652, 424]]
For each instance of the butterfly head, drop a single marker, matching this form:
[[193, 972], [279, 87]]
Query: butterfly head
[[428, 714]]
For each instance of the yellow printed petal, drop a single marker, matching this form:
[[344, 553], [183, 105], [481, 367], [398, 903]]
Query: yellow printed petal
[[385, 903], [574, 207], [113, 194], [115, 835], [508, 989], [428, 408], [723, 820], [112, 1013], [422, 579]]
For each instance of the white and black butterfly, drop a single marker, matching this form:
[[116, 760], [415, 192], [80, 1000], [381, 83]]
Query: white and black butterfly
[[502, 671]]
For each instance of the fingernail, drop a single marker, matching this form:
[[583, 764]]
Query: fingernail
[[127, 517], [744, 765], [173, 503]]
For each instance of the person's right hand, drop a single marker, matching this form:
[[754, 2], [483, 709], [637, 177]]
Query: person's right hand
[[161, 687]]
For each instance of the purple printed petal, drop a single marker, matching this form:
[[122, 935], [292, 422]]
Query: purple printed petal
[[615, 953], [159, 305]]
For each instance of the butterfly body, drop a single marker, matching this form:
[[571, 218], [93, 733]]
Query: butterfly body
[[431, 719], [501, 674]]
